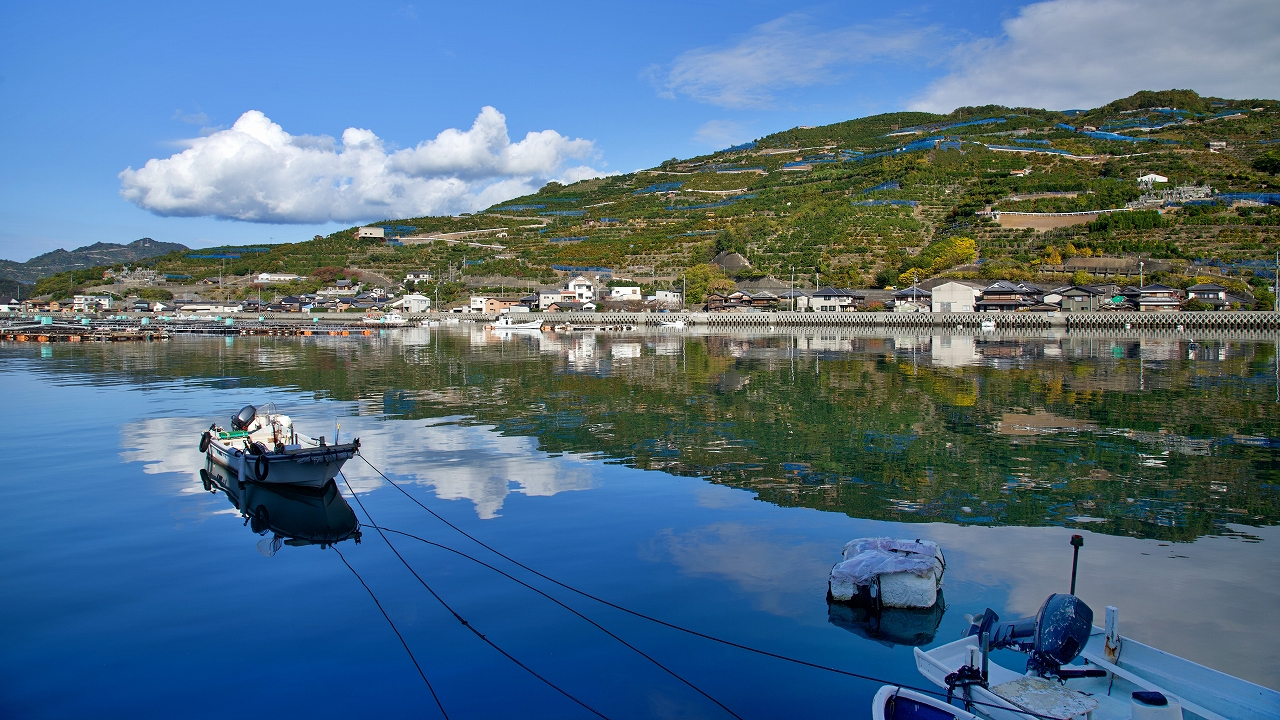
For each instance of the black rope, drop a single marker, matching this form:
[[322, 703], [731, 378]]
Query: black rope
[[393, 628], [695, 633], [458, 617], [570, 609]]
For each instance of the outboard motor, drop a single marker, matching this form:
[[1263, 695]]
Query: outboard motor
[[1054, 637], [244, 417]]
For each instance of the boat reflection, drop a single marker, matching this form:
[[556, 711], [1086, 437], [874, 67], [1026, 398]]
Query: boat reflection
[[293, 516], [889, 626]]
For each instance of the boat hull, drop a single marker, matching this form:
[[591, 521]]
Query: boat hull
[[312, 467]]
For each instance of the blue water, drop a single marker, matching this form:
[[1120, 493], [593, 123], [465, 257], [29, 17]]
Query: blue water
[[132, 591]]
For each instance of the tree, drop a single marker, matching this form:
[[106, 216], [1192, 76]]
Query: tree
[[1268, 162], [1080, 277], [696, 279], [721, 285]]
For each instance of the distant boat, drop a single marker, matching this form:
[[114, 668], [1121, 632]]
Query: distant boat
[[263, 446], [506, 323], [988, 325], [390, 319], [671, 324]]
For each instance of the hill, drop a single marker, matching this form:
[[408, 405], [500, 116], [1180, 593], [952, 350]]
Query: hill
[[875, 201], [81, 258]]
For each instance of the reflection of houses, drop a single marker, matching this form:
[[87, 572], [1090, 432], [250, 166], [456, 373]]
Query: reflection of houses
[[955, 297], [1004, 296], [953, 350], [912, 299], [834, 300]]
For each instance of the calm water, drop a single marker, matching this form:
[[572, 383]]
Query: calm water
[[710, 481]]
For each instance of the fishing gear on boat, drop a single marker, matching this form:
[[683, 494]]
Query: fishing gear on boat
[[695, 633], [395, 630], [458, 617]]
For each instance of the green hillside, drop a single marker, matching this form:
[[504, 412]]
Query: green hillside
[[864, 201]]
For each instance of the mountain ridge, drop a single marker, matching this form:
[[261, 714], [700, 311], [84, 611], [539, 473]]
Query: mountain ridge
[[87, 256]]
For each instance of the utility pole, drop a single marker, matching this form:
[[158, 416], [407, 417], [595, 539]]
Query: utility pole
[[1141, 283]]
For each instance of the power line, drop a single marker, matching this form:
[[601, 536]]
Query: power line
[[458, 617], [393, 629], [664, 623]]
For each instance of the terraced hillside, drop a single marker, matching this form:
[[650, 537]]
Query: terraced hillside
[[858, 202]]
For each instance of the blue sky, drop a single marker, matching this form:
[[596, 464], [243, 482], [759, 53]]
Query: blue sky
[[90, 90]]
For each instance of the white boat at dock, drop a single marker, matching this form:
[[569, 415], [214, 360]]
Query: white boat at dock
[[391, 319], [263, 446], [506, 323]]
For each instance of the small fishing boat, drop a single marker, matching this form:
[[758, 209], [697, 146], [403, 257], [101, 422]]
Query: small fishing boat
[[896, 703], [263, 446], [506, 323], [1076, 670], [389, 319]]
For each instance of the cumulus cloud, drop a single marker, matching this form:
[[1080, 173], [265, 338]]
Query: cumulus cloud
[[784, 53], [255, 171], [1064, 54]]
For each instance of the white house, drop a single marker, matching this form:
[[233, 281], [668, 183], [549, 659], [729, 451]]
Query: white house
[[629, 292], [417, 275], [477, 303], [91, 303], [668, 298], [370, 232], [955, 297], [833, 299], [413, 303], [579, 289], [277, 277]]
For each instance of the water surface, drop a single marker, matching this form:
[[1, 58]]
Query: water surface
[[708, 480]]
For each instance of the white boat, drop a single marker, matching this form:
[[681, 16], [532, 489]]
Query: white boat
[[896, 703], [506, 323], [988, 326], [1118, 678], [671, 324], [263, 446], [390, 319]]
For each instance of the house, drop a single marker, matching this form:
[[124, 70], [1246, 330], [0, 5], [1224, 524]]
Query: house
[[763, 299], [413, 303], [1211, 293], [140, 306], [570, 306], [728, 301], [795, 299], [267, 277], [667, 299], [1078, 298], [477, 303], [1217, 145], [498, 305], [366, 233], [625, 293], [91, 303], [1154, 298], [954, 297], [1004, 296], [834, 300], [579, 289], [912, 299], [417, 275]]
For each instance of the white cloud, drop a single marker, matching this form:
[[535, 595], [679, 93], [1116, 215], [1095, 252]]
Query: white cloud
[[1064, 54], [720, 133], [784, 53], [256, 172]]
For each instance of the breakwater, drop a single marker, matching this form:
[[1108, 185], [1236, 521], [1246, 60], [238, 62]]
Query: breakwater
[[147, 328]]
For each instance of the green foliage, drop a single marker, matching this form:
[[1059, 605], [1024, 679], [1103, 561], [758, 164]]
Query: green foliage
[[698, 280], [1268, 162], [65, 284], [154, 293], [938, 256], [1132, 220]]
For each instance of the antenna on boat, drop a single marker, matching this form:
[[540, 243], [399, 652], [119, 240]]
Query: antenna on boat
[[1076, 542]]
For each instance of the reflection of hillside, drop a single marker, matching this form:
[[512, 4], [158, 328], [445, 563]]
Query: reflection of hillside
[[957, 428]]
